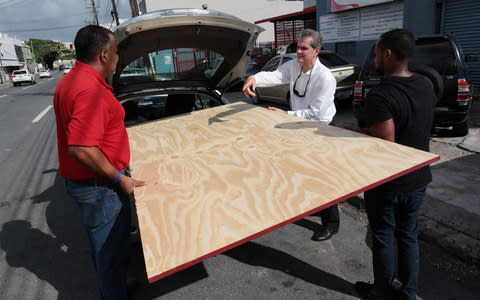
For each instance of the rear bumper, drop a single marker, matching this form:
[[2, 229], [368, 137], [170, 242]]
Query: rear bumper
[[444, 116]]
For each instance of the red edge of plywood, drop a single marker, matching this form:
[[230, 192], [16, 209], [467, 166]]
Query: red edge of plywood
[[299, 217]]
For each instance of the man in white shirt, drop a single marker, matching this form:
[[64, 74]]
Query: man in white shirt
[[312, 90]]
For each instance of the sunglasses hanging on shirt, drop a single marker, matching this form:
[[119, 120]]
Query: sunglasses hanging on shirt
[[297, 93]]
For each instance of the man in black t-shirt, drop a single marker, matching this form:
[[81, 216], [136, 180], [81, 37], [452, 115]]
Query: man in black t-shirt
[[400, 109]]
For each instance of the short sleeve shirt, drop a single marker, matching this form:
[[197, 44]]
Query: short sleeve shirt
[[88, 114], [410, 102]]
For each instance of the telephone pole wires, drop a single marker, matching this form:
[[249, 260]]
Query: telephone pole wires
[[134, 7], [115, 12]]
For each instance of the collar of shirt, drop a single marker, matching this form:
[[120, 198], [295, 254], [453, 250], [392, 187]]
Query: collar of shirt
[[83, 67]]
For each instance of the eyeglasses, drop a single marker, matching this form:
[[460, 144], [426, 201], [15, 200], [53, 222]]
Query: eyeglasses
[[297, 93]]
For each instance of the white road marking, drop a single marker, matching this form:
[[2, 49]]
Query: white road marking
[[43, 113], [3, 96]]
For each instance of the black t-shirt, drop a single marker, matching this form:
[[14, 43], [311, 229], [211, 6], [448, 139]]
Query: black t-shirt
[[410, 102]]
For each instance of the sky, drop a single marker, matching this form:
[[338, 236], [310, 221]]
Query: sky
[[54, 19]]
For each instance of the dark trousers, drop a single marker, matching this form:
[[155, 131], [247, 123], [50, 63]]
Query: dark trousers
[[330, 218], [394, 215]]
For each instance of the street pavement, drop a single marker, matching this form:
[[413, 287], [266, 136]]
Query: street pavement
[[44, 253]]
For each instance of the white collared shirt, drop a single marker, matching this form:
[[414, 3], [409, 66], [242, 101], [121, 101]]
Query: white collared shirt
[[318, 103]]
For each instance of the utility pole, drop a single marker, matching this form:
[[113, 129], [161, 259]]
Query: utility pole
[[134, 7], [115, 13], [95, 12]]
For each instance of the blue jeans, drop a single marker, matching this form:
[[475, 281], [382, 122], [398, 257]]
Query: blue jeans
[[395, 215], [105, 214]]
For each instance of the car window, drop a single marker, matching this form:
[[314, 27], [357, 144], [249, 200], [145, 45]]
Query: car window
[[19, 72], [272, 65], [331, 60], [436, 53], [148, 108], [174, 64], [286, 58]]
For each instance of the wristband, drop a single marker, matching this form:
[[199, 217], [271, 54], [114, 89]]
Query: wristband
[[118, 177]]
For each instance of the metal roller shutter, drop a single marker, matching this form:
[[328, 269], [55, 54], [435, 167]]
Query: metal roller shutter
[[461, 18]]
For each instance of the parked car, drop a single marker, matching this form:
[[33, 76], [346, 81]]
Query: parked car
[[23, 76], [164, 44], [67, 69], [441, 60], [344, 73], [45, 74]]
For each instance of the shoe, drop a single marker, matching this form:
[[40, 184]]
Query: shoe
[[323, 234], [368, 291]]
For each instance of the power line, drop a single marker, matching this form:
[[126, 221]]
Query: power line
[[42, 29]]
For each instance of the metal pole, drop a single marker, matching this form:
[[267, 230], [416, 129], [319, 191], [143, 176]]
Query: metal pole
[[115, 13], [95, 12], [1, 64], [134, 7]]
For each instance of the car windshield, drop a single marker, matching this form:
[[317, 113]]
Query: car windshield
[[173, 64], [434, 52]]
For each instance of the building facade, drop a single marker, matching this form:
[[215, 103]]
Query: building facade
[[14, 55], [352, 29]]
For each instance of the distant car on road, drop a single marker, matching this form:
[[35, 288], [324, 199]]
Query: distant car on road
[[344, 73], [23, 76], [45, 74], [67, 69]]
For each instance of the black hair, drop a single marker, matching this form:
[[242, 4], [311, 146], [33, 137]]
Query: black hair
[[400, 41], [90, 41]]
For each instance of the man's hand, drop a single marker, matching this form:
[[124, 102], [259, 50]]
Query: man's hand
[[249, 86], [128, 184], [277, 109]]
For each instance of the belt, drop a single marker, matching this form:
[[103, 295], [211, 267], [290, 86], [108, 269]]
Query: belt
[[98, 181]]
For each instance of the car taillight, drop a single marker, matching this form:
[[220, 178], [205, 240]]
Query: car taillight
[[357, 91], [464, 91]]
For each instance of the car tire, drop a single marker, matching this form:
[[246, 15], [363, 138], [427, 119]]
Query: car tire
[[461, 129], [433, 76]]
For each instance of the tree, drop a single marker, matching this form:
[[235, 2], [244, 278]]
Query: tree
[[45, 51]]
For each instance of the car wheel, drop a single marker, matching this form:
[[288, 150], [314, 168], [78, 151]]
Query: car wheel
[[434, 77], [460, 129]]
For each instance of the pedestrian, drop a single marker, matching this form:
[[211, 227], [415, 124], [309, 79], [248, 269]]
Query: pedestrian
[[94, 153], [400, 109], [312, 92]]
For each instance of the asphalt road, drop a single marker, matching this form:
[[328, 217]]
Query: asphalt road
[[44, 254]]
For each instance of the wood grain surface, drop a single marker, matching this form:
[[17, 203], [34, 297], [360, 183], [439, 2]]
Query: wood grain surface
[[219, 177]]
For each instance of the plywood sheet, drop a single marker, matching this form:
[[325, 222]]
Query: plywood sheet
[[222, 176]]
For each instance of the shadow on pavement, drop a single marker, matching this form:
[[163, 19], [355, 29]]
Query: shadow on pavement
[[258, 255], [62, 258]]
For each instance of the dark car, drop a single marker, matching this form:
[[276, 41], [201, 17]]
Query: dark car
[[441, 60]]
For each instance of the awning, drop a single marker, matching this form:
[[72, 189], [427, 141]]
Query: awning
[[299, 15]]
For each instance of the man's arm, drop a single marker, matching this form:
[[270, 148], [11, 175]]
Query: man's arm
[[94, 159], [384, 130], [264, 79]]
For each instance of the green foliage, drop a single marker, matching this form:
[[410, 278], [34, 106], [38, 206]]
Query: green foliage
[[45, 51]]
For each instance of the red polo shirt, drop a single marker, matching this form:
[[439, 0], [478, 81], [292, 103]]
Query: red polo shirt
[[89, 115]]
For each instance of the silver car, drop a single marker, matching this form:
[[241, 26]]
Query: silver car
[[344, 73]]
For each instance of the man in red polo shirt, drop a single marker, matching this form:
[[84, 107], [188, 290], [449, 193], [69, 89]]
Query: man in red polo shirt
[[93, 152]]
